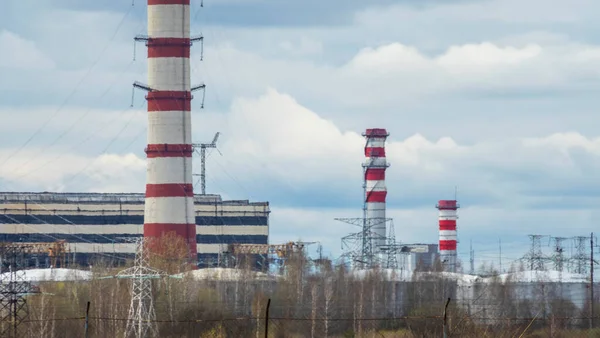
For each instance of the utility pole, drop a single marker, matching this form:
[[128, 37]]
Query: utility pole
[[472, 259], [592, 281], [320, 251], [203, 147], [500, 253]]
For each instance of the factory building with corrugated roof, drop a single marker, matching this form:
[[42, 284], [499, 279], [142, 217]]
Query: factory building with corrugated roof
[[98, 226]]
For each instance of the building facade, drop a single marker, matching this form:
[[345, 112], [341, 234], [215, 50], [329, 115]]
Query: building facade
[[99, 226], [424, 257]]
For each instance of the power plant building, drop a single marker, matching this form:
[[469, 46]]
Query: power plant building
[[420, 257], [103, 226]]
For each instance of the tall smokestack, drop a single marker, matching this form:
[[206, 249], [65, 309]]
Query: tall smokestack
[[374, 184], [169, 204], [447, 222]]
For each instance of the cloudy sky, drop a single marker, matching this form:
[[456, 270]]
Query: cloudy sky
[[497, 97]]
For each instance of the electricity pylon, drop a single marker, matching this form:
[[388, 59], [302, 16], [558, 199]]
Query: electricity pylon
[[142, 317]]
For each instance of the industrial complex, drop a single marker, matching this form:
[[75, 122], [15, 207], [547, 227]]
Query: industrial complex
[[375, 245], [102, 227], [65, 255]]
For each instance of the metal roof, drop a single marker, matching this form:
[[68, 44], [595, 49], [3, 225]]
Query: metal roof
[[129, 198]]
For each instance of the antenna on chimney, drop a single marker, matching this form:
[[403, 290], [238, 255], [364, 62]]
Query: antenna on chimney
[[203, 147]]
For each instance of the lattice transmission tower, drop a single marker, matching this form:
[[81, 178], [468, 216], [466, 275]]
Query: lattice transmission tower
[[13, 287], [203, 147], [580, 258], [535, 255], [558, 256], [358, 247], [142, 317], [392, 249]]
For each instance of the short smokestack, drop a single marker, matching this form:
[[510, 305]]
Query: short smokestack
[[448, 210]]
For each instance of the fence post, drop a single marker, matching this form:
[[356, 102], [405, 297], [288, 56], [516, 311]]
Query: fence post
[[267, 319], [446, 318], [87, 319]]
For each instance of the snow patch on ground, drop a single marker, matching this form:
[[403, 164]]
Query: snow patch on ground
[[57, 275], [226, 274], [544, 276], [464, 279], [60, 274]]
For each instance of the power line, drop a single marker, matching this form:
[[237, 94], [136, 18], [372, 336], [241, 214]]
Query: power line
[[63, 104], [70, 127]]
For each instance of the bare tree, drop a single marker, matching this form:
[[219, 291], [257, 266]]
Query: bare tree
[[328, 295]]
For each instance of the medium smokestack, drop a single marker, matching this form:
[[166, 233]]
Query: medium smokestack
[[448, 238], [169, 203], [375, 190]]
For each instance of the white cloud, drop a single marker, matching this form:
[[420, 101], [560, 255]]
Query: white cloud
[[525, 167], [58, 171], [117, 173], [396, 75], [461, 59], [394, 57], [566, 141], [98, 39], [277, 150], [102, 123], [503, 11], [274, 142], [19, 53], [389, 80], [304, 46], [107, 173]]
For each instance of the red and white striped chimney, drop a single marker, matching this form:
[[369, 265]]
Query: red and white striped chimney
[[448, 238], [169, 205], [375, 189]]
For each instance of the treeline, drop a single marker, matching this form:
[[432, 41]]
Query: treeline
[[334, 302]]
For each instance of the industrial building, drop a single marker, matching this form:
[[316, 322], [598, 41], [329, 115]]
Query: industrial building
[[419, 256], [102, 226]]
